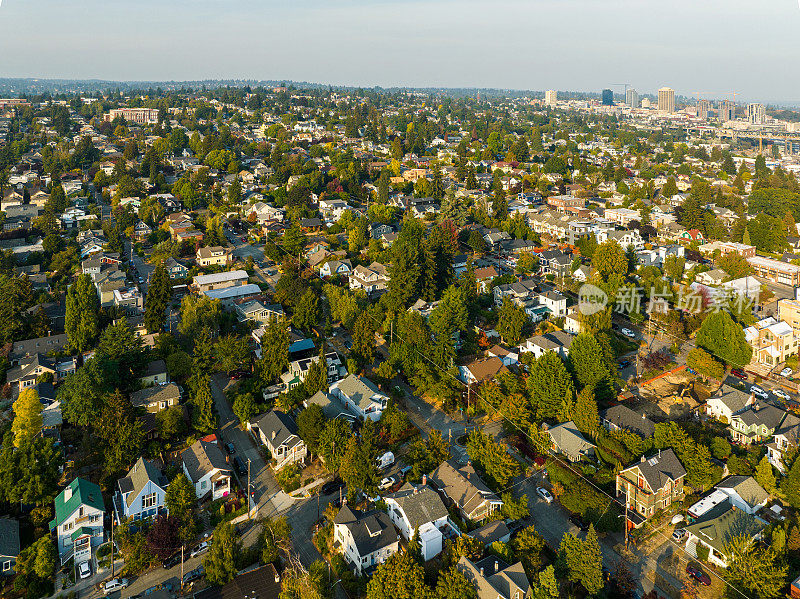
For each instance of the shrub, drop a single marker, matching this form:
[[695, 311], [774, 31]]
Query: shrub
[[702, 552]]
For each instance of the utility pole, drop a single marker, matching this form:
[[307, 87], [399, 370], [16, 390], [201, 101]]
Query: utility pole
[[112, 548], [249, 492], [626, 522], [182, 546]]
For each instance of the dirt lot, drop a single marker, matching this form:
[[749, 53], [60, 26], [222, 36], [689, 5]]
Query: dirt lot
[[673, 396]]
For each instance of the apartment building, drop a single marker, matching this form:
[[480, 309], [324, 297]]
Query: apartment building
[[772, 341], [141, 116], [622, 216]]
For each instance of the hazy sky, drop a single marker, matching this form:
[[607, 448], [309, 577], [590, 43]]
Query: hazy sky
[[712, 46]]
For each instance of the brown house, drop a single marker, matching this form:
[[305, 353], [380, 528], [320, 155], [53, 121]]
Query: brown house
[[651, 484]]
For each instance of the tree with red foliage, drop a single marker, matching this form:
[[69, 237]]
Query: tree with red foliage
[[163, 538]]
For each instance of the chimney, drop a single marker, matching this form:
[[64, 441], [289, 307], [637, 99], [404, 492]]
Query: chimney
[[68, 493], [481, 571], [642, 459], [274, 434], [424, 479], [496, 566], [277, 577]]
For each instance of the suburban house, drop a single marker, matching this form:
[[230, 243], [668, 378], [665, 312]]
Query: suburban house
[[784, 438], [483, 369], [9, 545], [175, 269], [331, 407], [155, 399], [758, 422], [213, 256], [335, 267], [361, 396], [557, 341], [155, 373], [79, 520], [727, 402], [205, 465], [716, 527], [372, 279], [508, 582], [257, 311], [220, 280], [568, 440], [463, 488], [298, 369], [711, 277], [772, 341], [492, 532], [744, 493], [651, 484], [31, 368], [484, 276], [621, 417], [141, 493], [262, 582], [39, 345], [366, 539], [278, 432], [419, 508]]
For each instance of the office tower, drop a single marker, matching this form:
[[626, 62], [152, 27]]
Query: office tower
[[550, 97], [703, 107], [756, 114], [726, 110], [632, 98], [608, 97], [666, 100], [645, 102]]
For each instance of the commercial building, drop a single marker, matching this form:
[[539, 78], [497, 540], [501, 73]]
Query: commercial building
[[608, 97], [726, 110], [775, 270], [703, 108], [141, 116], [756, 114], [550, 97], [666, 100], [632, 98]]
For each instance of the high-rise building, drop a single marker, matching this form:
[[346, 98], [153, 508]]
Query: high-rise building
[[666, 100], [608, 97], [550, 97], [756, 114], [632, 98], [703, 108], [726, 110], [646, 102]]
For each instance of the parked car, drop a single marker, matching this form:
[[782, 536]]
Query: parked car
[[544, 494], [240, 466], [331, 487], [624, 364], [698, 574], [677, 519], [678, 534], [627, 332], [739, 374], [782, 394], [193, 575], [200, 549], [84, 570], [115, 584], [578, 521], [759, 392], [787, 372], [171, 561], [386, 483]]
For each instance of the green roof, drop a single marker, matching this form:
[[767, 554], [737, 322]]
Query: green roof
[[83, 530], [83, 493]]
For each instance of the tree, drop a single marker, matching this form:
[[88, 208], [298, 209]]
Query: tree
[[451, 314], [163, 537], [399, 577], [586, 359], [720, 448], [159, 292], [583, 561], [550, 387], [27, 417], [198, 312], [491, 458], [274, 351], [528, 545], [244, 407], [306, 312], [452, 584], [299, 583], [754, 570], [332, 443], [310, 424], [723, 338], [81, 395], [609, 259], [765, 475], [364, 338], [181, 498], [275, 539], [120, 432], [703, 362], [81, 320], [512, 319], [734, 265], [232, 353], [29, 473], [586, 415], [203, 403], [35, 568], [358, 469], [223, 557]]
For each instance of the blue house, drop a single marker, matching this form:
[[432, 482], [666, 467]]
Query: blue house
[[141, 494]]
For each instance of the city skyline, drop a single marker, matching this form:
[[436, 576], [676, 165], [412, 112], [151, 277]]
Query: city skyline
[[449, 44]]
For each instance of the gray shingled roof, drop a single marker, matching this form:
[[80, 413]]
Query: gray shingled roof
[[276, 426], [359, 389], [462, 485], [625, 418], [371, 530], [203, 457], [420, 504], [745, 487], [149, 395], [660, 468], [9, 537], [142, 471]]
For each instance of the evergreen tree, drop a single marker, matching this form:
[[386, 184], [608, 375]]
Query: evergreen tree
[[159, 292], [586, 358], [585, 414], [81, 321], [181, 498], [765, 476], [511, 321], [203, 413], [723, 338], [550, 387], [224, 554]]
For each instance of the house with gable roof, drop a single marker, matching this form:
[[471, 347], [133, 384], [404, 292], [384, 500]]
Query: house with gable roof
[[727, 402], [419, 508], [463, 488], [568, 440], [365, 538], [278, 432], [205, 465], [141, 493], [759, 422], [361, 396], [651, 484], [506, 582], [9, 545], [78, 523]]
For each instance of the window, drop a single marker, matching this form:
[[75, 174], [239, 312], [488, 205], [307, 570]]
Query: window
[[80, 512], [6, 566], [149, 501], [203, 484]]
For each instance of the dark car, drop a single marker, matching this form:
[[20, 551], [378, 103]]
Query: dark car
[[332, 487], [193, 575], [698, 575], [240, 465], [739, 374], [624, 363], [578, 521], [230, 448], [171, 561]]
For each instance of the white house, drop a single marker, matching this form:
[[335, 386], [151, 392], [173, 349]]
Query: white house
[[79, 520], [361, 396], [205, 465], [419, 508], [278, 433], [557, 341], [554, 301], [727, 402], [142, 493], [366, 539]]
